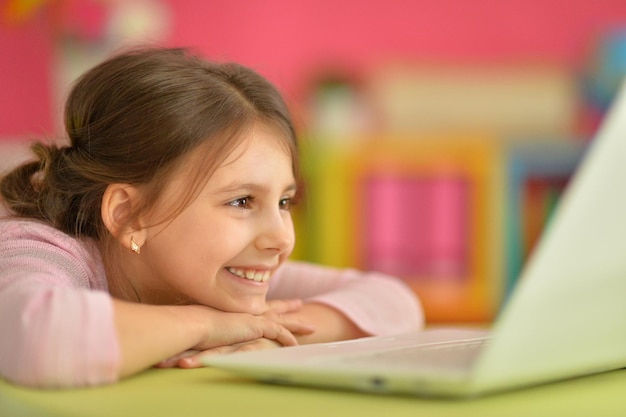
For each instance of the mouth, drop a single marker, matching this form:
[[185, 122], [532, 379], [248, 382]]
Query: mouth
[[250, 274]]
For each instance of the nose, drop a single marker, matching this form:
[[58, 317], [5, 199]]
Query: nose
[[276, 232]]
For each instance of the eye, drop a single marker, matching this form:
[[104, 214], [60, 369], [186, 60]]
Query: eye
[[286, 203], [242, 203]]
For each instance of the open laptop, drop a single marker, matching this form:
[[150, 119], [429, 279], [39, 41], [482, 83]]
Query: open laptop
[[566, 317]]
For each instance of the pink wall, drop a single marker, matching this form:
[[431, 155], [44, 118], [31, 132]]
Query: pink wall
[[288, 39], [285, 39], [25, 93]]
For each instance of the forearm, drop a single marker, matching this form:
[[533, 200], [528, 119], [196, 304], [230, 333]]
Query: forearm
[[330, 324], [376, 303], [148, 334]]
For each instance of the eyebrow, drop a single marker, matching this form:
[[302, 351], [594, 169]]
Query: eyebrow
[[251, 186]]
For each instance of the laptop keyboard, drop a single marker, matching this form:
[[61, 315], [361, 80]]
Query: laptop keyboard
[[449, 355]]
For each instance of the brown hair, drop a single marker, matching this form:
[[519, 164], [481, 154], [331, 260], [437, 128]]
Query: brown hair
[[132, 119]]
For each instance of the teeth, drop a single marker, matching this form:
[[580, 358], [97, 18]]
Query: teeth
[[251, 274]]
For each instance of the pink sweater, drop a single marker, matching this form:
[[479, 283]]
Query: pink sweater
[[56, 316]]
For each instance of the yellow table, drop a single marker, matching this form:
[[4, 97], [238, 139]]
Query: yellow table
[[210, 392]]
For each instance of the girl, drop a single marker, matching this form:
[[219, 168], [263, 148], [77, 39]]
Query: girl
[[161, 232]]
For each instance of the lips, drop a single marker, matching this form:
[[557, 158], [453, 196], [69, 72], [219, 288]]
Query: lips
[[250, 274]]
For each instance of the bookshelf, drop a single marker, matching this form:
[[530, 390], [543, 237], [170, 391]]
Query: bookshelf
[[454, 216], [536, 174]]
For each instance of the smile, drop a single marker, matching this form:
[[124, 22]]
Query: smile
[[251, 274]]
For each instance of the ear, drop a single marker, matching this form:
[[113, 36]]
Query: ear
[[117, 204]]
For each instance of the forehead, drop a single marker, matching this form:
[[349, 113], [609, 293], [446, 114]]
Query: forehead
[[248, 151], [217, 152], [260, 141], [259, 150]]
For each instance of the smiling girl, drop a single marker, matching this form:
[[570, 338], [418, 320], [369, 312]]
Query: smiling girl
[[161, 232]]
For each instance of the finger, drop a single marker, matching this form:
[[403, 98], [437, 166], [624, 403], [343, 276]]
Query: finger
[[195, 360], [295, 325], [173, 361], [275, 331], [259, 344], [284, 306], [198, 360]]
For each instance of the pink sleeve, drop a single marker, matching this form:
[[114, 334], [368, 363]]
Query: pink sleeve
[[55, 330], [377, 303]]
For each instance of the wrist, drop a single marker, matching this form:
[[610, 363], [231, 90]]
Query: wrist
[[192, 321]]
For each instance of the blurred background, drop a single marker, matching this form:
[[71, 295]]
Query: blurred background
[[437, 135]]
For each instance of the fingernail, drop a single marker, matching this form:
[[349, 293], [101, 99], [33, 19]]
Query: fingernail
[[187, 362]]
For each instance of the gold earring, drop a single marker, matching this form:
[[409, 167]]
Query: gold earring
[[134, 246]]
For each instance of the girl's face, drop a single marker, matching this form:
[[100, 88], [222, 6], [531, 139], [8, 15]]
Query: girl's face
[[222, 250]]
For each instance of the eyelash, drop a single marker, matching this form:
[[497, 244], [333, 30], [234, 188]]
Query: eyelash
[[286, 203], [244, 203]]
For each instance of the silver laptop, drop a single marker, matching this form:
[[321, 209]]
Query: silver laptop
[[566, 317]]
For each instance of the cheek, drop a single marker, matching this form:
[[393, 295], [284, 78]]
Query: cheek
[[215, 243], [291, 229], [186, 242]]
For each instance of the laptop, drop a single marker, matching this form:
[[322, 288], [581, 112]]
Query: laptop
[[566, 317]]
